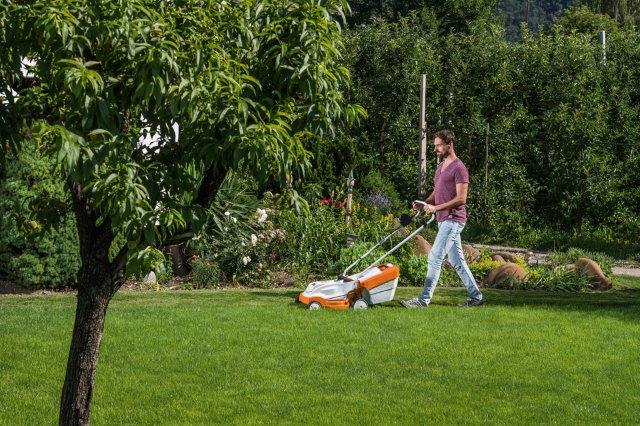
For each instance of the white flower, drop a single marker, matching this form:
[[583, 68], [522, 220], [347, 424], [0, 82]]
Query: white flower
[[234, 220], [227, 213], [262, 215], [157, 222], [254, 239], [246, 260]]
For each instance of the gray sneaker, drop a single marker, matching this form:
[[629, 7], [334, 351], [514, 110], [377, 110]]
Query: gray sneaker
[[471, 302], [413, 303]]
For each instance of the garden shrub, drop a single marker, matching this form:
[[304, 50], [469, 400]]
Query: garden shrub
[[560, 279], [379, 193], [38, 237], [559, 258], [348, 255], [482, 267], [206, 273]]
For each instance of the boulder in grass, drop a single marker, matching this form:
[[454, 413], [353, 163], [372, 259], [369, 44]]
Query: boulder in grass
[[471, 254], [150, 278], [501, 273], [592, 270], [498, 258], [506, 256], [420, 246]]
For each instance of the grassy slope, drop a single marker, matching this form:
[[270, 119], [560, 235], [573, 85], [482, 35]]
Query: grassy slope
[[244, 356]]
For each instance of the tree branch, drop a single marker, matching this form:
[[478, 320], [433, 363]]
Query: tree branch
[[211, 182]]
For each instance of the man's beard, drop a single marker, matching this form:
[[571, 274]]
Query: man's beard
[[443, 155]]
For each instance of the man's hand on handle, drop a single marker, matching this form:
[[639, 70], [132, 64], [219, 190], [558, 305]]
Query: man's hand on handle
[[429, 208]]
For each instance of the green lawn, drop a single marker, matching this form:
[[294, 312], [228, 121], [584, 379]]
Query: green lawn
[[253, 356]]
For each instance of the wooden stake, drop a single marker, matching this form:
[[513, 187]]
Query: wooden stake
[[486, 158], [422, 140], [350, 182]]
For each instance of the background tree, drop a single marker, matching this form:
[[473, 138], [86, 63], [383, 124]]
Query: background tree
[[624, 11], [248, 83]]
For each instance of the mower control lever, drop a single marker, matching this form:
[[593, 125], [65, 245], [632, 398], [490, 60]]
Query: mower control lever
[[421, 209]]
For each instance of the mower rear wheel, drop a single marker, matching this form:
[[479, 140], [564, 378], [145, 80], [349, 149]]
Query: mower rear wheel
[[314, 306], [359, 304]]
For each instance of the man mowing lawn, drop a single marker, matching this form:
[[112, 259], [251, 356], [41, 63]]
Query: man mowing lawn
[[447, 201]]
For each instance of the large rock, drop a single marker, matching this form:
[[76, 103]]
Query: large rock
[[592, 270], [471, 254], [150, 278], [508, 257], [420, 246], [501, 273], [498, 258]]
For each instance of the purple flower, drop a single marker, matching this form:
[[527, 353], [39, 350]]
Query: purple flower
[[378, 199]]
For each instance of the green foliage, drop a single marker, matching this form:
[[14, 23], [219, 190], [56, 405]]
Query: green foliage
[[557, 276], [348, 255], [247, 82], [561, 122], [536, 14], [451, 15], [624, 11], [558, 258], [377, 192], [38, 239], [145, 260], [482, 267], [559, 279], [206, 274], [581, 19], [312, 242]]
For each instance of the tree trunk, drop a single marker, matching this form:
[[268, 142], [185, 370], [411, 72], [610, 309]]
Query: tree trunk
[[77, 392], [98, 280], [179, 264]]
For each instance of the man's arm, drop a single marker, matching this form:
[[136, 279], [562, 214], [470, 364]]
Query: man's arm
[[457, 201], [430, 200]]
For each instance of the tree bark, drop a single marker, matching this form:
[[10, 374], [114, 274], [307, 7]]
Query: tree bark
[[179, 264], [211, 182], [77, 392], [98, 280]]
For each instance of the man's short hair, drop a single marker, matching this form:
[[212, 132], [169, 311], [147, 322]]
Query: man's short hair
[[446, 135]]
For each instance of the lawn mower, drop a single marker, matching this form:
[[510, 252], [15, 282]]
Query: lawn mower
[[375, 284]]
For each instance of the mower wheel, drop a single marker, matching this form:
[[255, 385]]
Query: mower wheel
[[314, 306], [360, 304]]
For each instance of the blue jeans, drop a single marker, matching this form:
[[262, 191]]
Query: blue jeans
[[448, 243]]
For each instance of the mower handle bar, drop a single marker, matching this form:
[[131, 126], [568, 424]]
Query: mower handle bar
[[401, 243], [386, 238]]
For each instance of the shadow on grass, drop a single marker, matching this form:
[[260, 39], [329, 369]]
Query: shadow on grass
[[291, 293], [623, 303]]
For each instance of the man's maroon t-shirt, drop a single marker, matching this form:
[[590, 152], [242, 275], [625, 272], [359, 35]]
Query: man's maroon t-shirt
[[444, 183]]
